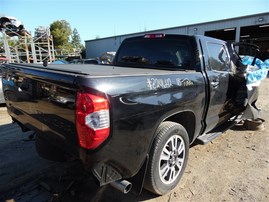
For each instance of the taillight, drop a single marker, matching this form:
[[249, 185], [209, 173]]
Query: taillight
[[93, 124], [152, 36]]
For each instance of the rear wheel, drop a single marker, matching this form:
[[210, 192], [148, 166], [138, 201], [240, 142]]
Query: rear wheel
[[168, 158]]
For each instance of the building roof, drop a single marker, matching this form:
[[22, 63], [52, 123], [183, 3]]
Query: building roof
[[196, 24]]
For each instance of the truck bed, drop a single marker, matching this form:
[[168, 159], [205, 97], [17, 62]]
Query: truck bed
[[43, 99], [100, 70]]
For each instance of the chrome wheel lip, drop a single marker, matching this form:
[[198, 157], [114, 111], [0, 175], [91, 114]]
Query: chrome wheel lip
[[171, 160]]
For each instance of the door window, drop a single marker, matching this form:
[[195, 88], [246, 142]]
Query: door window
[[218, 57]]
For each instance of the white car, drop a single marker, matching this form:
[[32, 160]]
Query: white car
[[11, 25]]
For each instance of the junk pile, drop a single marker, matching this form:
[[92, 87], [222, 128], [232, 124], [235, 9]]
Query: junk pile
[[256, 71]]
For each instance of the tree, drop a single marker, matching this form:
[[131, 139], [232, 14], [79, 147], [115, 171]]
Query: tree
[[61, 31], [83, 52], [65, 40], [75, 39]]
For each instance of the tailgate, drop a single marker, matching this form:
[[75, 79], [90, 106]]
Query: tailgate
[[42, 100]]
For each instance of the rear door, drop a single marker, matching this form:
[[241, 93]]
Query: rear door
[[221, 91]]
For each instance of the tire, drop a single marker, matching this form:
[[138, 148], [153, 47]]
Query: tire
[[48, 151], [167, 159]]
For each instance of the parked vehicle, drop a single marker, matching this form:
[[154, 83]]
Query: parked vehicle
[[3, 60], [85, 61], [138, 115], [11, 25], [107, 57], [60, 62]]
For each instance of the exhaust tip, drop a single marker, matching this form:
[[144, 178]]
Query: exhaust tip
[[123, 186]]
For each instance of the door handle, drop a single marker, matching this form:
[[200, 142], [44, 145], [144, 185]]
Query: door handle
[[214, 83]]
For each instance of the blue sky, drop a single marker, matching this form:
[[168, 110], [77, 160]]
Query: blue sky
[[104, 18]]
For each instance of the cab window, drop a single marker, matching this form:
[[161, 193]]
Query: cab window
[[218, 58]]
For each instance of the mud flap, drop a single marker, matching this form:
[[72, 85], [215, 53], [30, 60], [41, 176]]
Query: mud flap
[[139, 179]]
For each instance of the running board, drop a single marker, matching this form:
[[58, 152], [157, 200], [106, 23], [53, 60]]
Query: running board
[[208, 137]]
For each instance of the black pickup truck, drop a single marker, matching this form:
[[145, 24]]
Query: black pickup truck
[[140, 114]]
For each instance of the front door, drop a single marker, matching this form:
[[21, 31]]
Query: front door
[[222, 86]]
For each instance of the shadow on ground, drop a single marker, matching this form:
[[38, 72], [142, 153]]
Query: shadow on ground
[[24, 176]]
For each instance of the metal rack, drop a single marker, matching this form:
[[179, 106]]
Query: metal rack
[[43, 45], [23, 48]]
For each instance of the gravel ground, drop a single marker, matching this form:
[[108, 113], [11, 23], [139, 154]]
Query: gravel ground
[[233, 167]]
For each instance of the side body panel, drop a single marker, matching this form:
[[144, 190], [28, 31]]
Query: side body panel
[[44, 101]]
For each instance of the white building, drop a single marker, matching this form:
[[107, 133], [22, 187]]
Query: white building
[[251, 29]]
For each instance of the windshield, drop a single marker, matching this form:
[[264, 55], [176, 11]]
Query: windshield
[[166, 53]]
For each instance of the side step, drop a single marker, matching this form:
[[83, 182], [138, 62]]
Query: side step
[[208, 137]]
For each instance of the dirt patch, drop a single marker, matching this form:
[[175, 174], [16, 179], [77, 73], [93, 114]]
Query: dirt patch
[[233, 167]]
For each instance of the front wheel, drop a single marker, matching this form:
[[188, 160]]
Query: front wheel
[[168, 158]]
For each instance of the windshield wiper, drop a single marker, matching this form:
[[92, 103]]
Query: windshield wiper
[[136, 59]]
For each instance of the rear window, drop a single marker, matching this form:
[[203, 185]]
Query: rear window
[[159, 52]]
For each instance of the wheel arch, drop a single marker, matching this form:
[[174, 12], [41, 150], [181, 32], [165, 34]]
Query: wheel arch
[[168, 134], [187, 120]]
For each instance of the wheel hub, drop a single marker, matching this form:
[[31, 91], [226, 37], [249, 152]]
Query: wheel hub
[[172, 158]]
